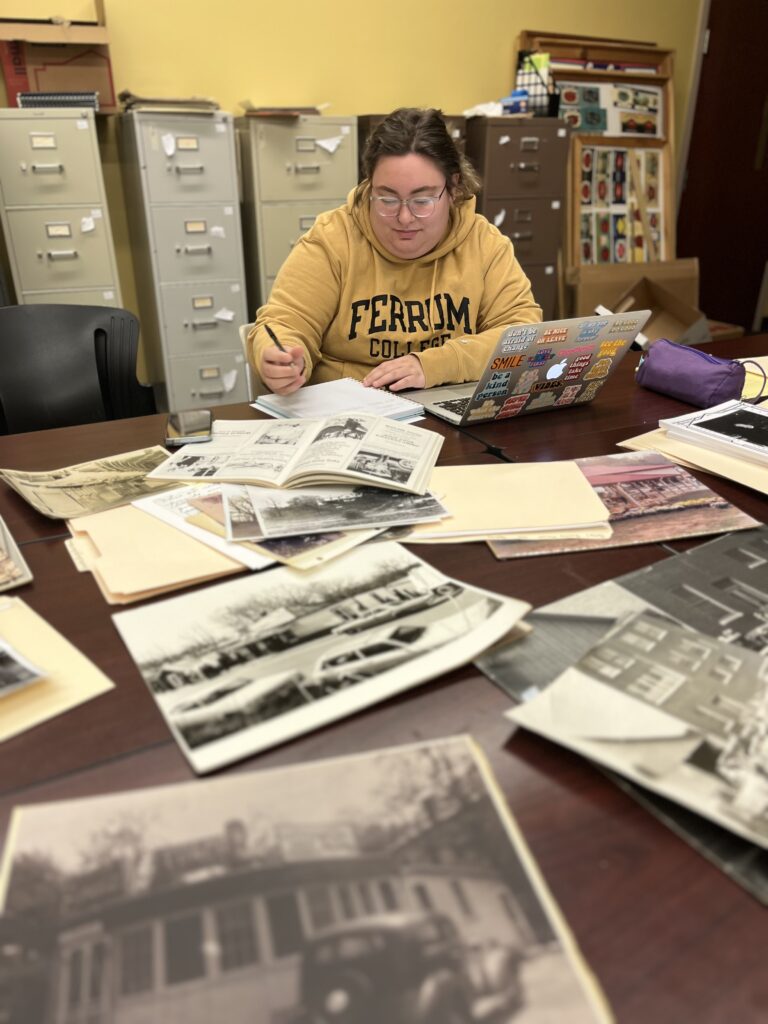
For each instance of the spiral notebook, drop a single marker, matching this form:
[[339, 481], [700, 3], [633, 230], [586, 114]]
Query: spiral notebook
[[318, 401]]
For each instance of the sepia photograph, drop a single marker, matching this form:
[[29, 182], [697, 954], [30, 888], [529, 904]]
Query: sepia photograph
[[90, 486], [245, 665], [391, 887], [650, 500]]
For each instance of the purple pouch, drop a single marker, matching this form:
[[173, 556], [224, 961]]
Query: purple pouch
[[690, 374]]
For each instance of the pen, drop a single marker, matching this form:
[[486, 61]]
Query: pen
[[273, 336]]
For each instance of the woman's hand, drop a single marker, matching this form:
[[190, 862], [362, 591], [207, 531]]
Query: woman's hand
[[396, 374], [283, 372]]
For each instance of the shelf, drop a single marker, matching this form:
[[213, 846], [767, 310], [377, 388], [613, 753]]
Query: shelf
[[45, 32]]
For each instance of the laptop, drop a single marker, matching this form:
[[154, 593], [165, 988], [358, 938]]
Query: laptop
[[537, 367]]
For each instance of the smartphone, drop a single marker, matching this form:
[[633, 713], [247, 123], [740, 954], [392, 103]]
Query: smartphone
[[188, 427]]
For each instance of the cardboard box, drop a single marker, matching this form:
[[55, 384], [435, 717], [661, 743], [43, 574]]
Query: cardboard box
[[671, 316], [590, 286], [54, 67]]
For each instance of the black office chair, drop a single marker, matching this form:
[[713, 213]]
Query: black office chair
[[61, 365]]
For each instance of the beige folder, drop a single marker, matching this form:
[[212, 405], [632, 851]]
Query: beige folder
[[133, 555], [69, 678], [514, 500]]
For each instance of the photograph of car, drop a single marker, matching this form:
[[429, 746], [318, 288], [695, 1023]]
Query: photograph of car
[[358, 660], [405, 968]]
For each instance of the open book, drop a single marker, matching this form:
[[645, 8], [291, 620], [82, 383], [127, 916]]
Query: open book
[[338, 396], [300, 453]]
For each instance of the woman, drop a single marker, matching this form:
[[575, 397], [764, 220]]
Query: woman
[[405, 286]]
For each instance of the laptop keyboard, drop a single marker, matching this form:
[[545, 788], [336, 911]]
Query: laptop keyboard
[[455, 405]]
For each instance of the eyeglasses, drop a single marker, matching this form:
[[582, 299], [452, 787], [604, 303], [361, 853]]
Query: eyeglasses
[[419, 206]]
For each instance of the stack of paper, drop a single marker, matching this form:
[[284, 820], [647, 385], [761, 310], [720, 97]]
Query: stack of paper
[[527, 500], [730, 440]]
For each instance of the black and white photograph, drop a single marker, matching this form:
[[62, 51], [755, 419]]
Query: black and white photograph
[[16, 672], [248, 664], [736, 428], [682, 713], [346, 428], [719, 588], [305, 551], [747, 424], [259, 513], [391, 887], [382, 464]]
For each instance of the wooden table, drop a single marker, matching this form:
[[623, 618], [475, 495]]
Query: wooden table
[[669, 937]]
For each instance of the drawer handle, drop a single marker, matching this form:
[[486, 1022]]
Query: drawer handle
[[307, 168], [62, 254], [189, 168], [47, 168], [198, 250], [210, 392], [200, 324], [521, 236], [527, 167]]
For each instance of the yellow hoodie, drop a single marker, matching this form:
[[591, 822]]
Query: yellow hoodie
[[351, 304]]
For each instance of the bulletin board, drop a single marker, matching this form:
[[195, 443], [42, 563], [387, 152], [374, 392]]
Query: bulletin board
[[623, 211], [613, 108]]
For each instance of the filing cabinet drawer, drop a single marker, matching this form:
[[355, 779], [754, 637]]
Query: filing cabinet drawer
[[62, 248], [49, 161], [87, 297], [185, 158], [212, 379], [519, 157], [283, 224], [525, 161], [201, 242], [314, 158], [202, 319], [533, 224], [543, 278]]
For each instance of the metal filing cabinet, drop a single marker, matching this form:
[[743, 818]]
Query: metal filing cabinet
[[181, 186], [293, 169], [53, 208], [522, 164]]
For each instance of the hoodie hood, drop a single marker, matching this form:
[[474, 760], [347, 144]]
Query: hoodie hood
[[459, 226]]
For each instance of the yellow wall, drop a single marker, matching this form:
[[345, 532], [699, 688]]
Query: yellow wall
[[308, 52], [357, 57]]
